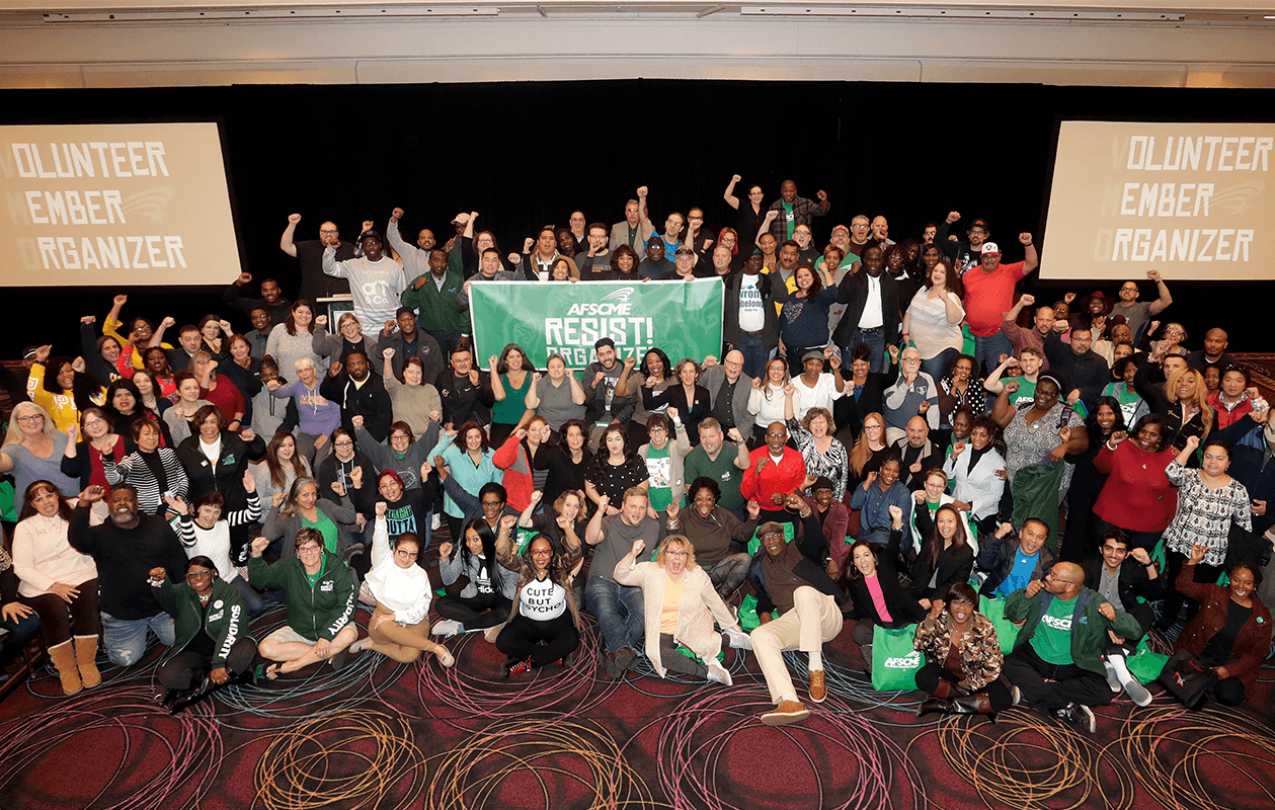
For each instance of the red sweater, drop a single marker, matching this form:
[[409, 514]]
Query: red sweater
[[1137, 496], [785, 478], [513, 459]]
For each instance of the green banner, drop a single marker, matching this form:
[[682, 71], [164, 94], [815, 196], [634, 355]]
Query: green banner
[[683, 318]]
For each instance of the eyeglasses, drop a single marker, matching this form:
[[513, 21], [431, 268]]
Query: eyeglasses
[[199, 575], [35, 417], [93, 423], [493, 504], [309, 550], [346, 443], [407, 555], [329, 233]]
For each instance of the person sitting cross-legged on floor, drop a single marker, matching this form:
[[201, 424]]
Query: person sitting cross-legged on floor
[[1062, 638], [320, 598]]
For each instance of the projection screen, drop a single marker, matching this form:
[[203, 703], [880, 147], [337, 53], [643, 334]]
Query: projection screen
[[116, 205], [1189, 200]]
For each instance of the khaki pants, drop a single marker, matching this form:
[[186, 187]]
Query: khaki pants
[[814, 620]]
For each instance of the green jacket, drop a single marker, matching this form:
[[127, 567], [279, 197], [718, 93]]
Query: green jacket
[[315, 612], [436, 309], [226, 623], [1088, 626]]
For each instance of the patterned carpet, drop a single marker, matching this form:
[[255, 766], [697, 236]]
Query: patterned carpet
[[381, 735]]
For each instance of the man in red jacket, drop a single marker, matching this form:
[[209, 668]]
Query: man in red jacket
[[776, 472]]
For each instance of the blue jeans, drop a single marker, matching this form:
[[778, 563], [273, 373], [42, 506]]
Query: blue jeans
[[20, 632], [607, 600], [937, 365], [987, 350], [875, 341], [251, 599], [126, 638], [755, 354]]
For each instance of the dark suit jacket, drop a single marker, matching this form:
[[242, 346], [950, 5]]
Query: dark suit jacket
[[854, 294]]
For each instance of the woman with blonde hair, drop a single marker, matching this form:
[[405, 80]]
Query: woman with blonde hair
[[871, 447], [33, 450], [349, 337], [1189, 413], [680, 605]]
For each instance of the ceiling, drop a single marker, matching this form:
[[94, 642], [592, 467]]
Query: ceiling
[[161, 43]]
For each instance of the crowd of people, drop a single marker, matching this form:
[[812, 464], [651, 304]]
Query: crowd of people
[[893, 435]]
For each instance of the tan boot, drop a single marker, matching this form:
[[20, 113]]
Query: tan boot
[[86, 660], [64, 659]]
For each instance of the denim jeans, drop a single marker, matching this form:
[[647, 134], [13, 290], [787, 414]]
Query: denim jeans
[[251, 599], [20, 632], [937, 365], [755, 354], [875, 341], [987, 350], [607, 600], [126, 638]]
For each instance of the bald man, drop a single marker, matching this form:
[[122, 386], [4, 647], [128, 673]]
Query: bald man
[[1062, 638], [1213, 354], [918, 453]]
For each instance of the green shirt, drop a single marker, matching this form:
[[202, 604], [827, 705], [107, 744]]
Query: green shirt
[[326, 528], [723, 471], [1026, 391], [317, 575], [509, 410], [659, 470], [1052, 639], [790, 221]]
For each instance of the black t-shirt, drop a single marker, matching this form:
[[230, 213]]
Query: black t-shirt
[[314, 284]]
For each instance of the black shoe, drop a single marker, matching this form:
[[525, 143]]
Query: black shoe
[[338, 660], [1077, 715], [931, 705]]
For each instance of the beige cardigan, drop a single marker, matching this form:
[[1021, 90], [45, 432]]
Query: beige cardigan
[[695, 613]]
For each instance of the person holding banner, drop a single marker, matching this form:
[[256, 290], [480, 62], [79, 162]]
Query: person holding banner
[[558, 397]]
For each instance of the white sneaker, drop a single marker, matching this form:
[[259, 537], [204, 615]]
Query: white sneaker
[[739, 640], [446, 628], [718, 673], [436, 522], [1137, 691]]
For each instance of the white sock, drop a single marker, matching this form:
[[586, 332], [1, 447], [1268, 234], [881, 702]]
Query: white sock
[[1121, 668], [788, 696], [816, 659]]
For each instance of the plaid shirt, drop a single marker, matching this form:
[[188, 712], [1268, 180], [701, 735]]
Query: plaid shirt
[[803, 210]]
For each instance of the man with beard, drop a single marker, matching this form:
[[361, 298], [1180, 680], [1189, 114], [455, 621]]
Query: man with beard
[[964, 255], [376, 280], [360, 392], [789, 211], [309, 254], [272, 299], [595, 261], [599, 379], [636, 229], [125, 548]]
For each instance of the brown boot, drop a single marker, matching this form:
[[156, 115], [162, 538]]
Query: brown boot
[[64, 659], [86, 660]]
